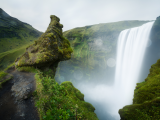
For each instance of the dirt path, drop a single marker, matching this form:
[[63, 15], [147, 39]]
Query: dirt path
[[15, 103]]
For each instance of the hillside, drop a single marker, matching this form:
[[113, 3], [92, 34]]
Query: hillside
[[15, 36], [94, 51], [14, 33]]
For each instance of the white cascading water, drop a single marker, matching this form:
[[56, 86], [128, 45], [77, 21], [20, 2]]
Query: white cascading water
[[131, 47]]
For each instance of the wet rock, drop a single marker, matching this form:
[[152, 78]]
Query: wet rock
[[22, 88]]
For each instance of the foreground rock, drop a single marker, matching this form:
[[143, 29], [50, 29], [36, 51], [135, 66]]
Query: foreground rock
[[15, 101]]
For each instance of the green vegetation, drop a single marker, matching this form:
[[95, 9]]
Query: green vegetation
[[14, 33], [4, 77], [27, 69], [2, 74], [7, 58], [53, 101], [92, 47], [15, 37], [146, 99], [64, 101]]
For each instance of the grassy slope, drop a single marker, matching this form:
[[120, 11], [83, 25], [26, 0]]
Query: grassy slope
[[8, 57], [14, 33], [59, 102], [108, 32], [88, 56], [14, 37], [25, 35]]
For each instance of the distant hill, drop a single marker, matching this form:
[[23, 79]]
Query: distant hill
[[14, 33], [15, 36]]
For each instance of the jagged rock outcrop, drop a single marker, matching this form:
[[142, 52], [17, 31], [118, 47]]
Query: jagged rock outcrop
[[49, 49]]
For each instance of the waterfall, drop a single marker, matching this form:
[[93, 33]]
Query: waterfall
[[131, 48]]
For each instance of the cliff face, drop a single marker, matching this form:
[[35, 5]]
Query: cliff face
[[92, 47], [14, 33], [146, 99]]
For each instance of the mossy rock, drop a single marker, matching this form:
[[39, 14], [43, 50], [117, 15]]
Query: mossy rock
[[76, 97], [48, 49], [4, 77], [70, 88], [146, 101]]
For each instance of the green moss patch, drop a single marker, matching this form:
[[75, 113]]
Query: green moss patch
[[27, 69], [149, 110], [64, 101], [4, 77]]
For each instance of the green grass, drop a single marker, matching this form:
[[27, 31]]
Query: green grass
[[27, 69], [15, 35], [2, 74], [8, 57], [60, 102], [2, 79]]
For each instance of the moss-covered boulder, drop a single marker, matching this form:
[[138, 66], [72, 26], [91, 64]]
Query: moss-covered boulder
[[49, 49], [146, 101]]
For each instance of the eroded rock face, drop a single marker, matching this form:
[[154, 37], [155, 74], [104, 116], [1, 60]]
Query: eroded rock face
[[49, 49]]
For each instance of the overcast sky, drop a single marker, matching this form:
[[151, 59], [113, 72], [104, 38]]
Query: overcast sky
[[79, 13]]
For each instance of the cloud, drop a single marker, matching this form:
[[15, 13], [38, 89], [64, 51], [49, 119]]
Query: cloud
[[81, 12]]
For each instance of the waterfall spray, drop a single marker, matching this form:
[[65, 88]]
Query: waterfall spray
[[131, 48]]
